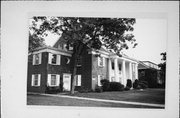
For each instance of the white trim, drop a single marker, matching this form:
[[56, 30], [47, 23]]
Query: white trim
[[57, 80], [60, 52], [39, 80], [58, 59], [39, 59]]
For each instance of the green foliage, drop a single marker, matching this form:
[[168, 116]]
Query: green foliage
[[135, 84], [98, 89], [105, 84], [35, 42], [116, 86], [93, 32], [163, 68], [129, 83]]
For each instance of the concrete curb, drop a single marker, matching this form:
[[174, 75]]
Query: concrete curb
[[101, 100]]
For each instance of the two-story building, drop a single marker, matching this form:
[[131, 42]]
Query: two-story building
[[49, 67]]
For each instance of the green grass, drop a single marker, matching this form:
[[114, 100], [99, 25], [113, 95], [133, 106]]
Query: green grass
[[156, 96], [58, 101]]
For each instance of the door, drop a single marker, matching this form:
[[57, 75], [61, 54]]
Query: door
[[66, 82]]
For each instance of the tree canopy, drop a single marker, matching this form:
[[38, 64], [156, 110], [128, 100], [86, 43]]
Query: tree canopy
[[112, 33]]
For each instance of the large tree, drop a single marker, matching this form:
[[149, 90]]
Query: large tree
[[111, 33], [163, 67]]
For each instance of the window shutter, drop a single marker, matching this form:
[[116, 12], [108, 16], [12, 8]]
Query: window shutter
[[58, 60], [33, 59], [57, 80], [99, 61], [32, 80], [39, 79], [79, 80], [49, 80], [50, 58], [40, 58], [99, 80]]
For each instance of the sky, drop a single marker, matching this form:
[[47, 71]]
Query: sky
[[151, 36]]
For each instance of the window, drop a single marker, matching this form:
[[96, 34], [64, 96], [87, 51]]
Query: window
[[78, 80], [101, 61], [100, 77], [119, 67], [53, 80], [79, 61], [35, 80], [54, 59], [37, 59], [112, 63]]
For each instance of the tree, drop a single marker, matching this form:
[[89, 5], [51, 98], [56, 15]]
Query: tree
[[112, 33], [163, 67], [35, 42]]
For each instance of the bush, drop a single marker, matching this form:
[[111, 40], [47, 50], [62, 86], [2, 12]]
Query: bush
[[127, 88], [98, 89], [143, 84], [140, 84], [129, 83], [135, 84], [105, 84], [116, 86]]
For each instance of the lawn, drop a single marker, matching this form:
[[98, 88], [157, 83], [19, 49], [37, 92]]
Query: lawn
[[156, 96], [145, 96]]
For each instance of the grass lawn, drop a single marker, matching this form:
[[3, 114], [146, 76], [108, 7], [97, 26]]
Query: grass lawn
[[156, 96], [58, 101], [145, 96]]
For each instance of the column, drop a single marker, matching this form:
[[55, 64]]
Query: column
[[116, 70], [136, 71], [124, 73], [130, 71], [109, 68]]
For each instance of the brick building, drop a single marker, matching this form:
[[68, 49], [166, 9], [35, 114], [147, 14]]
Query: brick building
[[49, 67]]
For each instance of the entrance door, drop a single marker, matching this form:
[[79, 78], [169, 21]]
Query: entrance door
[[66, 82]]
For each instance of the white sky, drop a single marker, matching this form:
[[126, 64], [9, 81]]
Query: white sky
[[151, 36]]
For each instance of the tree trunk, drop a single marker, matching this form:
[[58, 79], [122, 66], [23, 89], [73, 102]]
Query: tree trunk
[[73, 78], [78, 48]]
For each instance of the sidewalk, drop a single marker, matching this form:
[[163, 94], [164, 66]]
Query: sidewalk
[[101, 100]]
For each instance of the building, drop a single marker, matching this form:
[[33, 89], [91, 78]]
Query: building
[[150, 72], [49, 68]]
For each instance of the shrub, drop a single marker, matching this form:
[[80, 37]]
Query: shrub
[[98, 89], [129, 83], [116, 86], [140, 84], [126, 88], [105, 84], [135, 84], [143, 84]]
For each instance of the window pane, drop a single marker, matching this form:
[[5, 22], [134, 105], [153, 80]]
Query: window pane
[[54, 59], [53, 79], [112, 65], [36, 79], [101, 61], [37, 59]]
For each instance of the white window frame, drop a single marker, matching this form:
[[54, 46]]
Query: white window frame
[[57, 80], [33, 79], [34, 58], [103, 61], [58, 59], [78, 80]]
